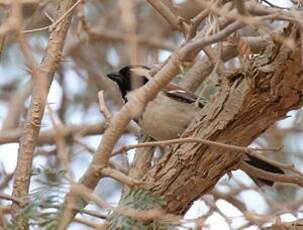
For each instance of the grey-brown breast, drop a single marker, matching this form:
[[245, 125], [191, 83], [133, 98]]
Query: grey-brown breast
[[166, 118]]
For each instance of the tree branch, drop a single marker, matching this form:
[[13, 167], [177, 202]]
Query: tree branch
[[42, 82], [237, 116]]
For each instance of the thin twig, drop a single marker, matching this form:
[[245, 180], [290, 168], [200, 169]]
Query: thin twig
[[170, 17], [54, 24], [125, 148], [119, 176], [103, 108], [47, 136], [256, 21], [62, 151], [11, 198], [194, 24], [261, 174]]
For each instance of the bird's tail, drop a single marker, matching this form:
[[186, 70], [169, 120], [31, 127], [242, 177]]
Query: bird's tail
[[263, 165]]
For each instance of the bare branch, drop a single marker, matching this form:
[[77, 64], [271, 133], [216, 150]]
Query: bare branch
[[103, 108], [33, 121], [168, 15]]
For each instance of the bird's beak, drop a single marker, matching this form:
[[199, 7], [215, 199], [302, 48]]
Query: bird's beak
[[113, 76]]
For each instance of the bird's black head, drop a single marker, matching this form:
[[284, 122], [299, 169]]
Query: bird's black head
[[123, 78]]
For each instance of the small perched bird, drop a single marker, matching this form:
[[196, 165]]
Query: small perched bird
[[168, 115]]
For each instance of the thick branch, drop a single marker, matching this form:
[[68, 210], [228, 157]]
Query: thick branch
[[255, 100], [138, 99]]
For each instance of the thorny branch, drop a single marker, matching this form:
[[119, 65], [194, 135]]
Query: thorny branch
[[119, 36], [42, 79]]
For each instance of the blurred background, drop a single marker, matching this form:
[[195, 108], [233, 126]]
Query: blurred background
[[104, 36]]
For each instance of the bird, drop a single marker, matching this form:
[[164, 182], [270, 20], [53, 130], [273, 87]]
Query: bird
[[171, 111], [172, 104]]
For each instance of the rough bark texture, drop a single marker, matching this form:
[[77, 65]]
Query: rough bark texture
[[255, 99], [43, 78]]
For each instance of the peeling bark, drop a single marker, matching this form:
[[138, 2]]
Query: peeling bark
[[255, 99]]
